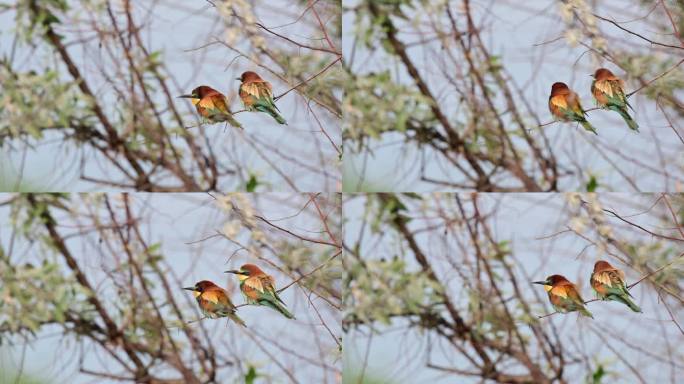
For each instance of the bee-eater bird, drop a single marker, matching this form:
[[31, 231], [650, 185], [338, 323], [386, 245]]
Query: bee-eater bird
[[563, 295], [608, 90], [214, 301], [211, 105], [565, 105], [609, 284], [259, 288], [257, 95]]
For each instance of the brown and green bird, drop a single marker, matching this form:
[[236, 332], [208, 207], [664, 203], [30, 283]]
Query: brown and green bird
[[257, 95], [211, 105], [563, 295], [259, 288], [608, 90], [609, 284], [214, 301], [565, 105]]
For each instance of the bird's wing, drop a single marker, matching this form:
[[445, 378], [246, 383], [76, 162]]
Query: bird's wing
[[265, 91], [615, 278], [558, 101], [254, 283], [618, 92], [603, 277], [225, 301], [573, 294], [600, 97], [211, 296], [604, 86], [268, 281], [559, 107], [219, 298], [574, 104], [560, 291], [207, 307], [257, 90], [220, 103], [269, 285], [266, 88], [207, 102]]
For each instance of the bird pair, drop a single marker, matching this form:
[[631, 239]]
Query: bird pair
[[257, 287], [608, 90], [255, 92], [607, 281]]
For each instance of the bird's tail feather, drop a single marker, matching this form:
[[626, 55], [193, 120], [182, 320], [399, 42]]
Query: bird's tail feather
[[237, 319], [280, 308], [222, 116], [231, 120], [628, 119], [624, 299], [588, 126], [272, 111], [585, 312]]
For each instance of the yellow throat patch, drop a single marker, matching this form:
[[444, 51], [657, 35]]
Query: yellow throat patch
[[548, 288]]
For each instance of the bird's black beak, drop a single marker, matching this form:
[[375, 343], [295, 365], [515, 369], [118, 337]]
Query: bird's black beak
[[238, 78], [234, 271], [186, 97], [189, 288], [539, 282]]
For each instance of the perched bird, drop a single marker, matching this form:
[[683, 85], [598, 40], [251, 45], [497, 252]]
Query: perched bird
[[211, 105], [608, 90], [257, 95], [259, 288], [609, 284], [563, 295], [214, 301], [565, 105]]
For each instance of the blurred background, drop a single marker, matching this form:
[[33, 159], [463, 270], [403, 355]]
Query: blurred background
[[453, 95], [133, 254], [89, 95], [440, 288]]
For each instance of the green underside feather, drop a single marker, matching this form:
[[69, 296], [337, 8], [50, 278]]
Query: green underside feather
[[218, 116], [574, 116], [269, 107], [225, 313], [625, 116], [569, 305], [270, 300], [621, 295], [618, 102], [624, 299]]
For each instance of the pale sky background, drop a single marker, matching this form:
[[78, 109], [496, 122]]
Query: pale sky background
[[177, 220], [399, 355], [178, 27], [512, 29]]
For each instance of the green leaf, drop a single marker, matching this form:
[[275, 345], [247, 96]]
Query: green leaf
[[252, 183], [154, 248], [251, 375], [598, 375], [592, 184]]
